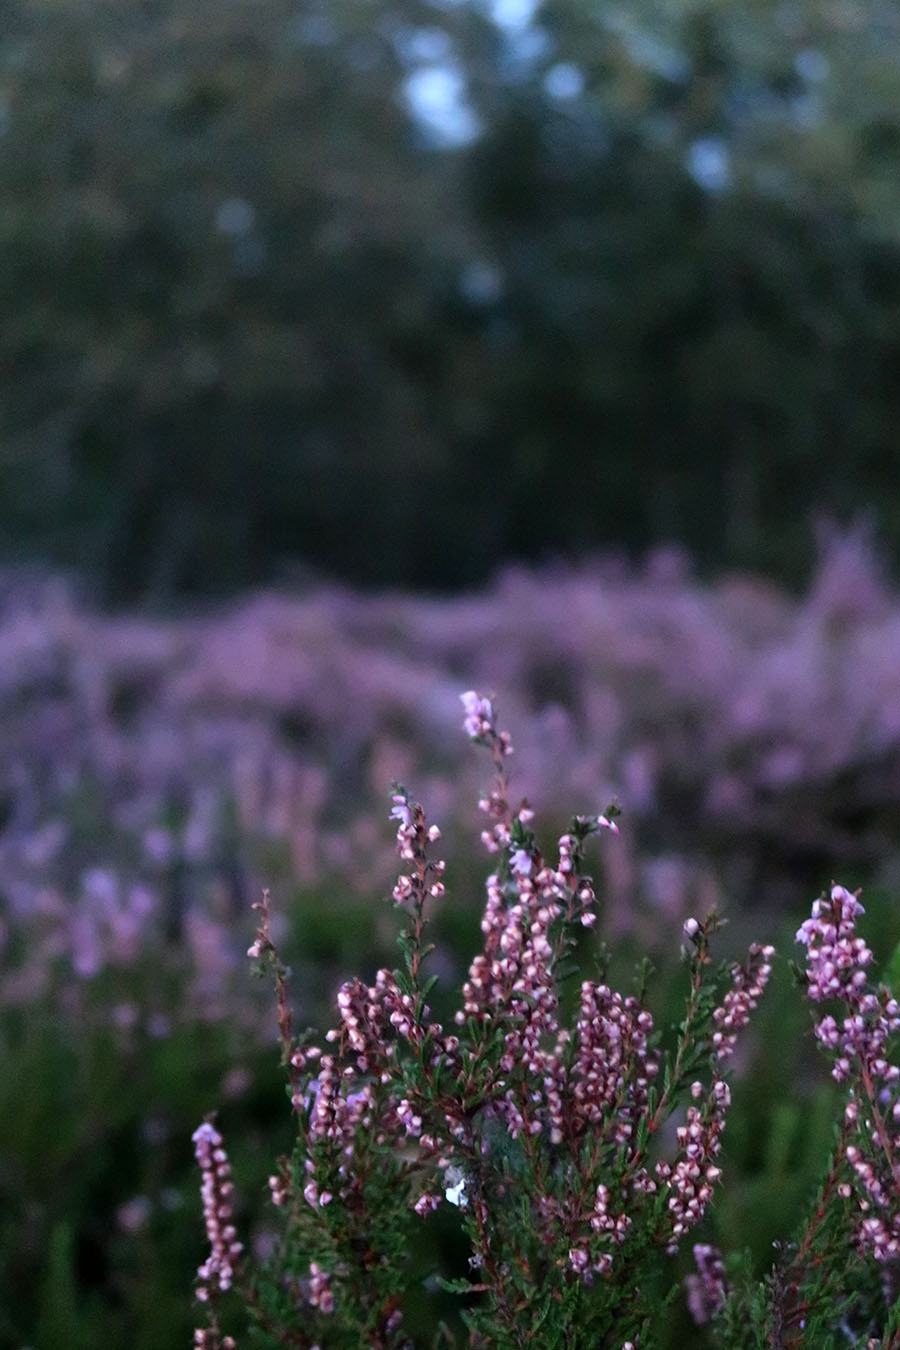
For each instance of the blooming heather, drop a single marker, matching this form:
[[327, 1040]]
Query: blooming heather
[[859, 1040], [216, 1276], [544, 1133]]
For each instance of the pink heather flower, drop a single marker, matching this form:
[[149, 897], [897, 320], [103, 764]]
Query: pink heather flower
[[612, 1066], [393, 1322], [320, 1292], [400, 810], [605, 823], [691, 1180], [479, 720], [749, 981], [216, 1189], [579, 1260], [520, 863], [836, 962], [407, 1117], [835, 956], [706, 1289], [279, 1189]]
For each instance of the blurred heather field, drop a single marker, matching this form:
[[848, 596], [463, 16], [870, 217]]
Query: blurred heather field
[[753, 738]]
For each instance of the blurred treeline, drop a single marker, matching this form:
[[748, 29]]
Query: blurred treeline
[[642, 281]]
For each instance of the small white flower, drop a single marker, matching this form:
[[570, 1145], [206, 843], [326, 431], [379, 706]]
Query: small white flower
[[455, 1191], [474, 705]]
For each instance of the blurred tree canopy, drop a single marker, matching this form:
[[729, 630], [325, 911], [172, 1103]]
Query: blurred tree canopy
[[400, 289]]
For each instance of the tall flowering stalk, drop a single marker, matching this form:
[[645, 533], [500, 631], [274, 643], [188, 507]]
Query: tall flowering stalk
[[838, 1282], [217, 1273], [858, 1213], [577, 1149]]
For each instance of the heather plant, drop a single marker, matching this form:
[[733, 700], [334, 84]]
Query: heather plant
[[578, 1145]]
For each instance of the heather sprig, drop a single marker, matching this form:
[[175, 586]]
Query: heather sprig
[[217, 1273], [858, 1210], [579, 1151]]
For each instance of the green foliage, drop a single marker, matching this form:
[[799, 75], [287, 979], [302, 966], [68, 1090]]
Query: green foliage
[[58, 1303], [254, 317], [96, 1179]]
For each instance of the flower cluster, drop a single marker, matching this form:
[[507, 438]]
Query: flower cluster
[[320, 1292], [706, 1289], [216, 1275], [208, 1338], [613, 1065], [837, 961], [216, 1189], [748, 982], [691, 1180], [479, 723]]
